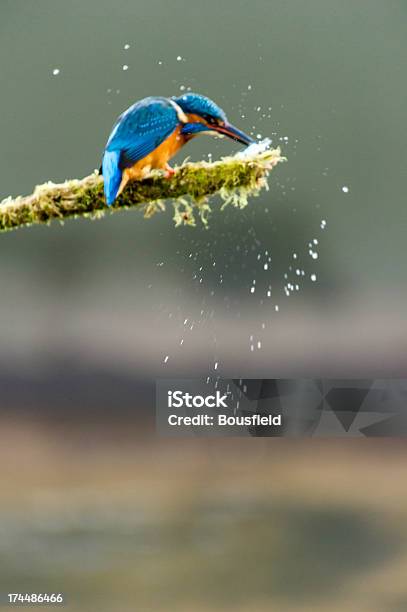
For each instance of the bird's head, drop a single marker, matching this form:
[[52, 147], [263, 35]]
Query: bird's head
[[204, 116]]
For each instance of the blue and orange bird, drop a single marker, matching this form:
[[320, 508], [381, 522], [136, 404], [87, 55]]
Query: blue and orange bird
[[149, 133]]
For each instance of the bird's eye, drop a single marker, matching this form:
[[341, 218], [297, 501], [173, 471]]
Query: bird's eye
[[210, 119]]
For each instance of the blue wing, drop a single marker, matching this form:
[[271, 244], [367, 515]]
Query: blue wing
[[138, 131], [141, 129]]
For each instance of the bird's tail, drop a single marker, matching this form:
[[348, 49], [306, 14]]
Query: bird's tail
[[112, 175]]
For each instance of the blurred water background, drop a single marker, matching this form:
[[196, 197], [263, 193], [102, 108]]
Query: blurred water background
[[93, 312]]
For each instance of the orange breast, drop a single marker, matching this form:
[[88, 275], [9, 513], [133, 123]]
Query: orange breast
[[167, 149], [158, 158]]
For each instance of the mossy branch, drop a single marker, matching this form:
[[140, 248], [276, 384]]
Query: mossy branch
[[233, 178]]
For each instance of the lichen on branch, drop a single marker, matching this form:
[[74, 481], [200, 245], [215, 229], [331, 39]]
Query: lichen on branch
[[233, 178]]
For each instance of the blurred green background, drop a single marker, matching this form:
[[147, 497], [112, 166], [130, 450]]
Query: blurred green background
[[93, 312], [116, 293]]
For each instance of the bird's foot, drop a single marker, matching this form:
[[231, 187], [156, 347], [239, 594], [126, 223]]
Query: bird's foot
[[169, 172]]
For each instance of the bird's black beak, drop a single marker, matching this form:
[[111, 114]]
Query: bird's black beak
[[230, 130]]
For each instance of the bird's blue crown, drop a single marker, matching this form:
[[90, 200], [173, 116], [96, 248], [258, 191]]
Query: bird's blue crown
[[199, 105]]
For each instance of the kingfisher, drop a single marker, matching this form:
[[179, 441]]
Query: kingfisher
[[149, 133]]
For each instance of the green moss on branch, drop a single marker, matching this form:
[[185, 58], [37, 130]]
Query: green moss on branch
[[233, 178]]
